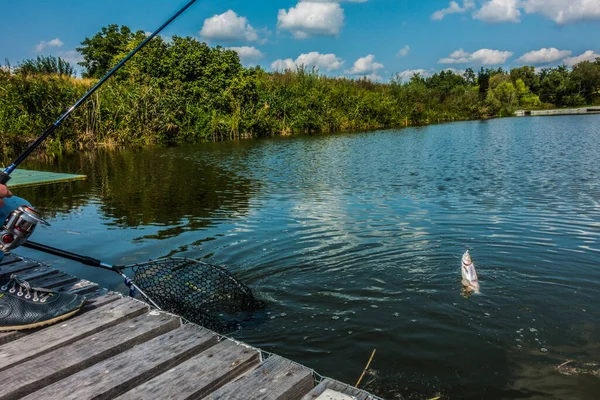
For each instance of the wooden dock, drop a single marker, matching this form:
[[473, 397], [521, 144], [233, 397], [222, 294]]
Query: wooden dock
[[562, 111], [119, 348]]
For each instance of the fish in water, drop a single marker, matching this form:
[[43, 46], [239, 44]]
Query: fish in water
[[469, 275]]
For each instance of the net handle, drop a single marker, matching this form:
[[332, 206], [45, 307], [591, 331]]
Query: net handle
[[93, 262]]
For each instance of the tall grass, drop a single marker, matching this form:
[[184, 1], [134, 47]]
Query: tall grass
[[149, 103], [129, 112]]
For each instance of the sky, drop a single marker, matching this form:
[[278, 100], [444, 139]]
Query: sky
[[354, 38]]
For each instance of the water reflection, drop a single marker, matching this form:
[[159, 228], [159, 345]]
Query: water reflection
[[166, 187]]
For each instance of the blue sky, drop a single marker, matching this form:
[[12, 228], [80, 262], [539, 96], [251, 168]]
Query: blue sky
[[376, 38]]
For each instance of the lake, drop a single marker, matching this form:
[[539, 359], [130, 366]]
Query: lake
[[355, 240]]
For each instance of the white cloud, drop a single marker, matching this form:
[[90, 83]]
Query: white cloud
[[228, 27], [560, 11], [543, 56], [71, 56], [495, 11], [458, 57], [283, 65], [403, 52], [329, 62], [453, 8], [365, 65], [43, 45], [247, 53], [589, 55], [310, 18], [490, 57], [564, 11], [480, 57], [409, 73]]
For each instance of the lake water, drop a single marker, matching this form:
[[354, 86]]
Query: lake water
[[355, 241]]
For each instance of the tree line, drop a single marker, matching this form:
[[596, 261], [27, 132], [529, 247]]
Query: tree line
[[183, 90]]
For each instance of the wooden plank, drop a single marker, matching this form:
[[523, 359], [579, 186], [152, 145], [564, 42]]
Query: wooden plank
[[6, 337], [45, 277], [102, 300], [25, 378], [32, 271], [91, 292], [10, 258], [38, 272], [52, 281], [200, 375], [82, 287], [121, 373], [275, 379], [18, 266], [338, 387], [69, 331], [24, 177]]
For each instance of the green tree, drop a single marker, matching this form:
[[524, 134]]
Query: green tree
[[99, 50], [502, 100], [470, 77], [444, 82], [483, 81], [528, 76], [586, 79], [525, 98], [554, 86], [497, 79]]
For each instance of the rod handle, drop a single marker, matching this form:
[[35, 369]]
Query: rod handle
[[4, 178]]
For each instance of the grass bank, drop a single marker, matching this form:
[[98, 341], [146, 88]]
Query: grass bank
[[186, 91]]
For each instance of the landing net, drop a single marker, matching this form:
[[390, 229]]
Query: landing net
[[202, 293]]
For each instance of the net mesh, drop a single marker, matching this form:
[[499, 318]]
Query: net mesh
[[202, 293]]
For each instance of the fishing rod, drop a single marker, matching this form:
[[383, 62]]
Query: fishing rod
[[5, 175]]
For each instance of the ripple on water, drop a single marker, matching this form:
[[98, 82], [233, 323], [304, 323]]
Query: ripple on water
[[360, 236]]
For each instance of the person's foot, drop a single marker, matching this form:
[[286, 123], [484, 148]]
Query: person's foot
[[26, 307]]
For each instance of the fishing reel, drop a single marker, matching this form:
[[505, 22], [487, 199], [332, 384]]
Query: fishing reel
[[19, 226]]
